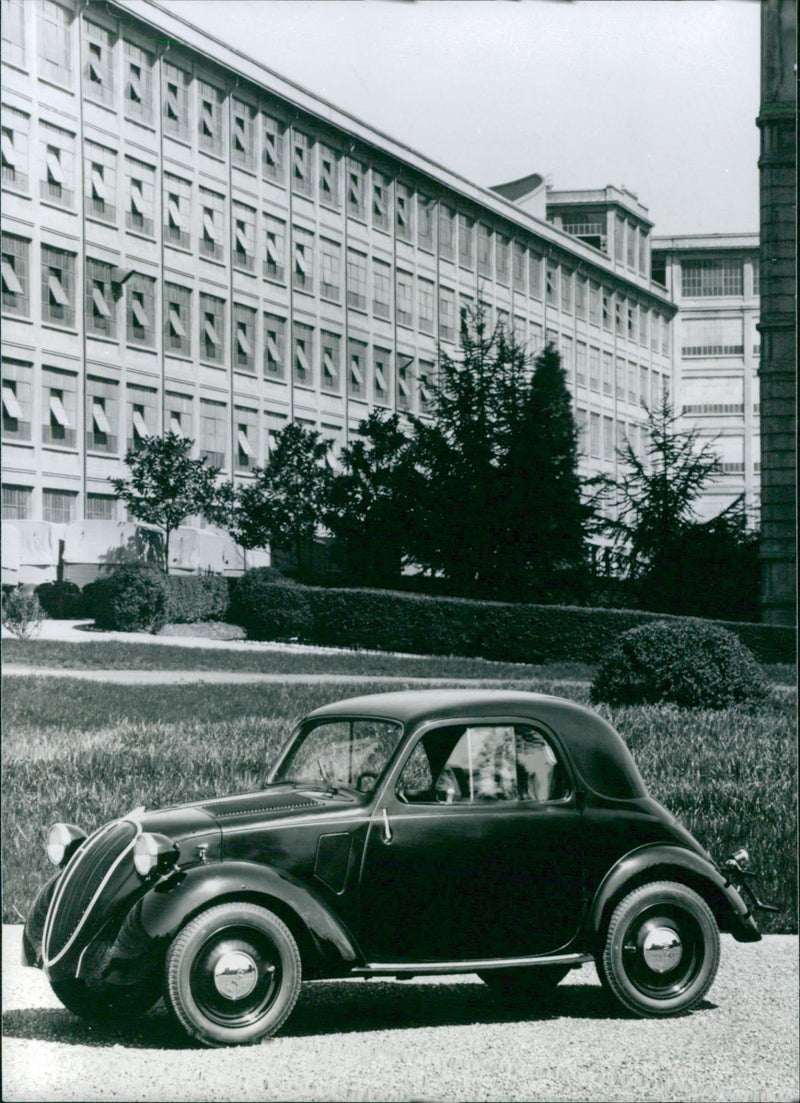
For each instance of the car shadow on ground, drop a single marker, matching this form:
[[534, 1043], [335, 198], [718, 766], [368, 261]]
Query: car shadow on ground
[[337, 1007]]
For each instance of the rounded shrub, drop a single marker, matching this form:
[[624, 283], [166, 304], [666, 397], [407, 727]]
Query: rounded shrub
[[132, 598], [61, 600], [271, 607], [689, 663]]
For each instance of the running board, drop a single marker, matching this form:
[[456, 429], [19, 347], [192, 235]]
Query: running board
[[381, 969]]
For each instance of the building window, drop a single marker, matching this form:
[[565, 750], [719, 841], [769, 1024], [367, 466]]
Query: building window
[[55, 42], [101, 507], [58, 506], [210, 125], [644, 326], [13, 26], [100, 179], [16, 276], [212, 329], [331, 255], [138, 87], [619, 238], [484, 250], [380, 200], [427, 372], [643, 386], [246, 437], [381, 289], [244, 351], [381, 376], [303, 358], [177, 210], [356, 280], [519, 267], [59, 407], [643, 252], [141, 310], [102, 412], [302, 179], [631, 249], [620, 379], [665, 333], [142, 415], [357, 368], [594, 435], [405, 298], [447, 314], [608, 373], [100, 309], [580, 364], [178, 414], [15, 142], [502, 248], [98, 69], [594, 368], [16, 502], [756, 271], [213, 431], [140, 213], [17, 400], [58, 166], [356, 204], [303, 269], [175, 90], [328, 177], [58, 287], [632, 320], [607, 315], [330, 363], [244, 237], [404, 211], [608, 438], [551, 285], [447, 232], [243, 138], [274, 346], [654, 342], [566, 291], [273, 161], [535, 275], [633, 380], [177, 319], [707, 278], [466, 241], [425, 211], [580, 297], [425, 305], [275, 260], [212, 223], [589, 227], [405, 381]]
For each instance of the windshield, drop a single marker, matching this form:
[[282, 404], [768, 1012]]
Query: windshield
[[350, 754]]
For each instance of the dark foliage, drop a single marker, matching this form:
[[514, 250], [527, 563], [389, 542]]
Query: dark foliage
[[690, 663], [197, 598], [61, 600], [269, 606], [131, 598]]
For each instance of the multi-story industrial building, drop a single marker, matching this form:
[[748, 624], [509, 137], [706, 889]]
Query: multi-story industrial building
[[193, 243], [713, 280]]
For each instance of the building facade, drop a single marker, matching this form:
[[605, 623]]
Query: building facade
[[714, 281], [192, 243]]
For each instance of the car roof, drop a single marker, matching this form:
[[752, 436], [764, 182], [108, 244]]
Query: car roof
[[597, 750]]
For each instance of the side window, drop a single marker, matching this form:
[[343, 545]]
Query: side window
[[477, 764]]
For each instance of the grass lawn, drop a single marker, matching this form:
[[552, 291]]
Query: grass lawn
[[84, 753]]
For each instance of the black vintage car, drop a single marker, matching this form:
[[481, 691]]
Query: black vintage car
[[398, 834]]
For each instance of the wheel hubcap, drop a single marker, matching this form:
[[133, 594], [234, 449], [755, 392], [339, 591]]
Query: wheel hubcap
[[235, 975], [662, 949]]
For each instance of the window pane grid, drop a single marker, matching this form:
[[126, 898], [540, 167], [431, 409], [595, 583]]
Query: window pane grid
[[706, 278]]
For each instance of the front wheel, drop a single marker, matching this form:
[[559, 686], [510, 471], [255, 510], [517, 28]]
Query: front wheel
[[233, 974], [526, 984], [661, 950], [108, 1002]]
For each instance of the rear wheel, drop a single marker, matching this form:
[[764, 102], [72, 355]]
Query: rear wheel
[[233, 974], [661, 950], [108, 1002], [526, 984]]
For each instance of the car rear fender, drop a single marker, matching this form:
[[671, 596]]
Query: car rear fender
[[671, 863], [319, 932]]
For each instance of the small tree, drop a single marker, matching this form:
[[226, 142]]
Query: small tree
[[166, 485], [286, 501], [368, 499]]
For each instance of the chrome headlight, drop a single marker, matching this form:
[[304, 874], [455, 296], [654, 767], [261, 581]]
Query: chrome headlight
[[63, 839], [154, 853]]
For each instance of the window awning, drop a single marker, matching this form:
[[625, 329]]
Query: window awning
[[244, 443], [300, 259], [208, 225], [139, 314], [58, 412], [302, 359], [10, 280], [175, 323], [403, 386], [175, 425], [99, 190], [380, 381], [56, 290], [241, 237], [355, 371], [273, 352], [9, 153], [137, 199], [176, 218], [210, 332], [100, 304], [11, 403], [242, 342], [273, 252], [100, 419], [139, 427], [54, 167], [328, 365], [134, 84]]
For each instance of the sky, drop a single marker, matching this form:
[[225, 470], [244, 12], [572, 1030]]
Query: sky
[[658, 95]]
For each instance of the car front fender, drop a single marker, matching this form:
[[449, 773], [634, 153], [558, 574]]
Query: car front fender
[[666, 862], [165, 909]]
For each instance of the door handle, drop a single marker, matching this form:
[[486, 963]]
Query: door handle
[[387, 831]]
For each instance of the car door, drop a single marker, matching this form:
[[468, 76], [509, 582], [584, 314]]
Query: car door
[[474, 849]]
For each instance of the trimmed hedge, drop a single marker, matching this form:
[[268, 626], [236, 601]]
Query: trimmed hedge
[[689, 663], [61, 600], [194, 598], [132, 598], [383, 620]]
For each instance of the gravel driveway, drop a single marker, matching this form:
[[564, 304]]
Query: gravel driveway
[[433, 1039]]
